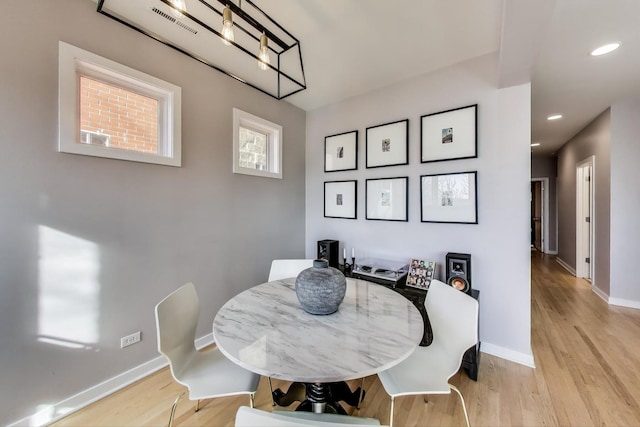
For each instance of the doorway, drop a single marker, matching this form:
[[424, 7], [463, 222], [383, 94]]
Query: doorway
[[539, 214], [584, 219]]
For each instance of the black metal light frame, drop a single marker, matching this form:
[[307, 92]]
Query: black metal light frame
[[266, 27]]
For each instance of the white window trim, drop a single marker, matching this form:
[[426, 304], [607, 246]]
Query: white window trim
[[74, 62], [274, 144]]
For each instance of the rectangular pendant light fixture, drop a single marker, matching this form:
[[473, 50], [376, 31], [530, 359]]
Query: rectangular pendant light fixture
[[239, 40]]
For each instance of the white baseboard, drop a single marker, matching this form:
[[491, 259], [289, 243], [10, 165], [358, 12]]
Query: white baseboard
[[624, 302], [601, 294], [78, 401], [566, 266], [552, 252], [507, 354]]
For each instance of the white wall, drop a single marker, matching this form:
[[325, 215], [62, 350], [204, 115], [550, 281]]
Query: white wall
[[89, 245], [625, 202], [499, 244]]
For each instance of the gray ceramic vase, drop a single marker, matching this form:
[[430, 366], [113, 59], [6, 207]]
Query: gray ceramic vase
[[320, 289]]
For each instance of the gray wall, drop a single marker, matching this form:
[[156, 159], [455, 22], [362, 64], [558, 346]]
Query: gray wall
[[594, 139], [625, 201], [137, 230], [499, 244], [547, 167]]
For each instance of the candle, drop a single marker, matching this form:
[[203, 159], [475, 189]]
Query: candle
[[353, 252], [344, 253]]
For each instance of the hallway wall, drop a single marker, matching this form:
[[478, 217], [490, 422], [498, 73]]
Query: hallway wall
[[625, 202], [594, 139]]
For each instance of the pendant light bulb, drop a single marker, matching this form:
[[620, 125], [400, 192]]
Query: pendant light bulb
[[263, 56], [227, 26]]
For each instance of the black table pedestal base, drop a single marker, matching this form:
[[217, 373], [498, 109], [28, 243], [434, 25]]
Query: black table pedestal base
[[319, 397]]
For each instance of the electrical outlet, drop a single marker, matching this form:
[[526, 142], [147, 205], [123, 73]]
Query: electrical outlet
[[130, 339]]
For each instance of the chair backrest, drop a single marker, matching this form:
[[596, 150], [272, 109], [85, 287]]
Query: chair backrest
[[454, 319], [176, 322], [251, 417], [285, 268]]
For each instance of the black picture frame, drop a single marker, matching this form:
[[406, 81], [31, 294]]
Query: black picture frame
[[341, 152], [449, 135], [387, 199], [387, 144], [341, 199], [449, 198]]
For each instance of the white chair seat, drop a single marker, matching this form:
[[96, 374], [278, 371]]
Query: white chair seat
[[250, 417], [206, 374], [454, 320], [419, 372], [210, 373]]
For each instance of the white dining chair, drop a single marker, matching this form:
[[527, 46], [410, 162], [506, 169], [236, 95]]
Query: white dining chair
[[285, 268], [206, 374], [454, 321], [251, 417]]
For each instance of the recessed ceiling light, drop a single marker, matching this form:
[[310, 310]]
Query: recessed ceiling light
[[603, 50], [535, 144], [555, 117]]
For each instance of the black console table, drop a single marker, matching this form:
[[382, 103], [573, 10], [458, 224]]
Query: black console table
[[471, 358]]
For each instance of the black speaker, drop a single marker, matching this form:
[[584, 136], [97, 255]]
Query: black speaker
[[328, 249], [459, 271]]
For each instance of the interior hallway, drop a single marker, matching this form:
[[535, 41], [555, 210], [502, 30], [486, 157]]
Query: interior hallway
[[586, 356]]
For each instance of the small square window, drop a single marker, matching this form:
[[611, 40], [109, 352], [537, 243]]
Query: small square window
[[109, 110], [257, 146]]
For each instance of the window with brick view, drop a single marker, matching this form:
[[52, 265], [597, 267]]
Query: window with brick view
[[107, 109], [125, 119], [253, 149]]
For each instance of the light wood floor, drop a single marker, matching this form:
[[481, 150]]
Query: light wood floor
[[587, 357]]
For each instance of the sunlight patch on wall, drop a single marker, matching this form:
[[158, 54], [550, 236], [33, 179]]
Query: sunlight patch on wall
[[69, 290]]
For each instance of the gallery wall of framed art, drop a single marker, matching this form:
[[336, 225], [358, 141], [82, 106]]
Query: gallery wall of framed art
[[449, 197]]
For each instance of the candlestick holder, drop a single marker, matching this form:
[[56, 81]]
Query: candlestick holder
[[348, 268]]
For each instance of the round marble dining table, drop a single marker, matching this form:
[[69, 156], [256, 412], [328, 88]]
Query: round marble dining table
[[265, 330]]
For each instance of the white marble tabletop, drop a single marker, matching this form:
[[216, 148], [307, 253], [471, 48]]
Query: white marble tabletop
[[265, 330]]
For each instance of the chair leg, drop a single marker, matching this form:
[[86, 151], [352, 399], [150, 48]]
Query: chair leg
[[464, 407], [273, 402], [197, 405], [361, 393], [173, 409], [252, 399], [391, 413]]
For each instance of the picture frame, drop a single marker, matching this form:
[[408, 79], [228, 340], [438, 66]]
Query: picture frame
[[341, 152], [341, 199], [387, 144], [387, 199], [420, 273], [449, 197], [449, 135]]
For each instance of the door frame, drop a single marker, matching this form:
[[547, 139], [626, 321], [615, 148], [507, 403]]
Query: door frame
[[584, 269], [545, 213]]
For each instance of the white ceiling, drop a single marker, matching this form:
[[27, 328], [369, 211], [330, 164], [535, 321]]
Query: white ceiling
[[351, 47]]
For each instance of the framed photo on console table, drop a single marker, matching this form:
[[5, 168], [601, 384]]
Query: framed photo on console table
[[340, 199], [420, 273], [387, 199], [388, 144], [449, 198], [449, 135], [341, 152]]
